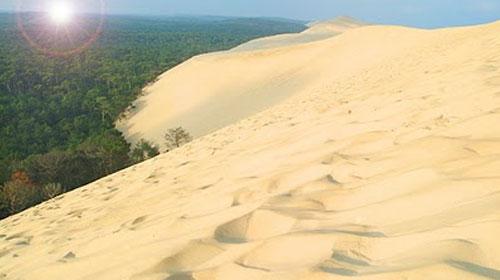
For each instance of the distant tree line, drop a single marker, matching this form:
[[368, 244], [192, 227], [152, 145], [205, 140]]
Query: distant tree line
[[57, 114], [33, 182]]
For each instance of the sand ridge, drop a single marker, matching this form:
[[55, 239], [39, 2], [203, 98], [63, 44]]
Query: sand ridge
[[384, 166], [318, 30], [207, 92]]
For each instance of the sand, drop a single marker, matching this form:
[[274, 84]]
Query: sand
[[384, 165], [317, 31], [213, 90]]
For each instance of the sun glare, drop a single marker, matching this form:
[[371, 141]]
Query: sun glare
[[60, 12]]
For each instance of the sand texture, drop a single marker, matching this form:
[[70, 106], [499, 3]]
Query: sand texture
[[384, 163], [213, 90]]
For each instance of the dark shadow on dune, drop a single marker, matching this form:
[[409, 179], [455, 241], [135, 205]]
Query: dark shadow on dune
[[373, 234], [180, 277], [370, 234], [476, 269], [340, 271], [346, 259]]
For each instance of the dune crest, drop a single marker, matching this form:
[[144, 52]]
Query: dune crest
[[207, 92], [319, 30], [384, 164]]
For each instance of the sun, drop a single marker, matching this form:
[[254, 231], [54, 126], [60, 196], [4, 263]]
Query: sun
[[60, 12]]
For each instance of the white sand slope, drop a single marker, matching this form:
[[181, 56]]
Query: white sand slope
[[211, 91], [384, 166], [317, 31]]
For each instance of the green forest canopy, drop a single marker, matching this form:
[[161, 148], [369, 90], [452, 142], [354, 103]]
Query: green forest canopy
[[65, 107]]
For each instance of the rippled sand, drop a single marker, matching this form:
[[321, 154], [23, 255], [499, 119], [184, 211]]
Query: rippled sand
[[384, 164]]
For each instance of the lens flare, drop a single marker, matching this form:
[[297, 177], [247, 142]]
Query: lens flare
[[60, 28], [60, 12]]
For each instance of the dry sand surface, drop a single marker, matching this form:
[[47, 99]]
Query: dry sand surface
[[384, 165], [214, 90], [317, 31]]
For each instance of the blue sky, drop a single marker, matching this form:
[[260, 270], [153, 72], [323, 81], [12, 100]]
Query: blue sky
[[419, 13]]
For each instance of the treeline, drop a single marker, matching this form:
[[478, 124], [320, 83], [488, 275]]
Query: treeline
[[33, 182], [57, 114]]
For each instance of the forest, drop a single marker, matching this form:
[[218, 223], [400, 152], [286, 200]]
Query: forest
[[57, 113]]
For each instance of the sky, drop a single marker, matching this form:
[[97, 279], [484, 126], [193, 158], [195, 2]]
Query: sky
[[417, 13]]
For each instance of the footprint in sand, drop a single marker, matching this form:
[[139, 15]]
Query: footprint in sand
[[107, 198], [139, 220], [487, 68], [442, 121], [180, 277], [69, 256], [133, 225], [153, 177], [493, 81], [184, 164], [112, 189], [15, 236], [23, 242]]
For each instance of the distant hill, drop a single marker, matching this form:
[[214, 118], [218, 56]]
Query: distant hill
[[318, 30], [223, 81], [341, 21]]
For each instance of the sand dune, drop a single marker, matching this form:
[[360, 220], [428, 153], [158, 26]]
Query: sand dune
[[384, 164], [317, 31], [211, 91]]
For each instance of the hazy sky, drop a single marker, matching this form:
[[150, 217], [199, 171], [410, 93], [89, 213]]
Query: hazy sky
[[422, 13]]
